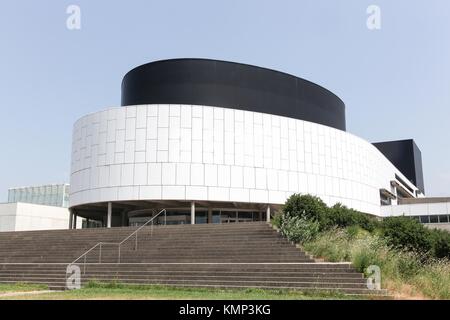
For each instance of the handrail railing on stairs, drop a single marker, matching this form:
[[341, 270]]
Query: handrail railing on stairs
[[119, 244]]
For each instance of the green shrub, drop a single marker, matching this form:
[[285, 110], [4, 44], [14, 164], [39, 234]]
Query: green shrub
[[406, 233], [307, 207], [298, 229], [440, 242], [313, 208], [400, 232], [276, 220], [363, 259], [341, 216]]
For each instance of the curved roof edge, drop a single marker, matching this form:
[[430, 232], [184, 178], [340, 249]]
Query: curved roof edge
[[232, 85]]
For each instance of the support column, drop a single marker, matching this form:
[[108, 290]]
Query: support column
[[108, 220], [192, 212], [70, 219], [210, 215], [74, 221], [268, 213]]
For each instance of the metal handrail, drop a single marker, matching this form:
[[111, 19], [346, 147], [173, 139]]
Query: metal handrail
[[139, 229], [119, 244]]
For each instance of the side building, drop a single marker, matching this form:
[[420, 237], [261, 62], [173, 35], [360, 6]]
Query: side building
[[36, 208]]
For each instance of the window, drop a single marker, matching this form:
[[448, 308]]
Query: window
[[201, 217], [424, 219], [443, 219], [434, 219]]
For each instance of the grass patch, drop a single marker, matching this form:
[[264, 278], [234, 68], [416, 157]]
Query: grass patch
[[21, 287], [117, 291]]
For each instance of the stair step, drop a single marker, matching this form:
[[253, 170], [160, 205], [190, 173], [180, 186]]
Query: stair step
[[244, 255]]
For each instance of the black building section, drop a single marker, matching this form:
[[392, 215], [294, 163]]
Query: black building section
[[406, 157], [232, 85]]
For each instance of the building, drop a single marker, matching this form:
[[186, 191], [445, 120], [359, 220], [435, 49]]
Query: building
[[36, 208], [433, 212], [20, 216], [214, 141]]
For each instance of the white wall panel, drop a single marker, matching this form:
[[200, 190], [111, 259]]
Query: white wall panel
[[154, 174], [183, 174], [140, 174], [185, 152], [223, 176], [169, 173]]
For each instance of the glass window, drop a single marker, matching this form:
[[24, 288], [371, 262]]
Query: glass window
[[216, 216], [434, 219], [52, 195], [425, 219], [443, 219], [201, 217], [228, 216], [245, 216]]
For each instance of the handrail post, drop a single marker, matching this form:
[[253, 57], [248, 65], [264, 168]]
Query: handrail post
[[165, 217], [135, 247], [100, 255], [84, 265], [119, 253]]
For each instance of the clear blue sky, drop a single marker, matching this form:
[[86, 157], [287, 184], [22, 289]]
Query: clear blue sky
[[395, 81]]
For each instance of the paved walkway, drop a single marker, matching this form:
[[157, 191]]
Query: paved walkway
[[24, 293]]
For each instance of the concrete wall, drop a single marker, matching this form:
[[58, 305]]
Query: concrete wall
[[420, 209], [8, 216], [27, 217], [187, 152], [442, 226], [417, 209]]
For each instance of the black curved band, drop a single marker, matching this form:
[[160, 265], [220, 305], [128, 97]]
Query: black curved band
[[232, 85]]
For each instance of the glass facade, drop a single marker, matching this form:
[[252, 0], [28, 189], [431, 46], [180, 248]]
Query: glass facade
[[50, 195], [201, 217], [440, 218]]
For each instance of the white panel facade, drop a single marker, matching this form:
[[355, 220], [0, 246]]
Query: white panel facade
[[183, 152]]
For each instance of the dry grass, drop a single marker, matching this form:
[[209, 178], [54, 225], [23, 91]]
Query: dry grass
[[405, 274]]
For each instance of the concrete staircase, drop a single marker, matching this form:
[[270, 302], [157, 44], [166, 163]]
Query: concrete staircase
[[221, 255]]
